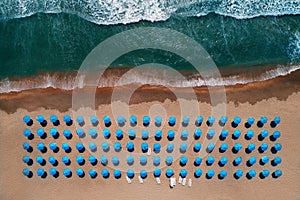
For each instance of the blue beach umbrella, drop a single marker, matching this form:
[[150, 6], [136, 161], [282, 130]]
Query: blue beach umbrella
[[144, 147], [93, 160], [277, 173], [210, 173], [133, 120], [67, 172], [250, 121], [68, 119], [94, 120], [224, 134], [130, 160], [143, 174], [93, 147], [223, 161], [197, 133], [40, 119], [145, 134], [210, 133], [275, 135], [156, 147], [183, 160], [156, 161], [41, 172], [276, 120], [106, 120], [130, 146], [66, 147], [171, 134], [53, 172], [210, 160], [146, 120], [199, 121], [183, 147], [156, 173], [117, 146], [198, 173], [105, 146], [276, 161], [223, 120], [158, 134], [40, 160], [184, 135], [143, 160], [265, 173], [169, 173], [236, 121], [197, 147], [238, 174], [65, 160], [115, 160], [251, 173], [263, 147], [67, 133], [117, 173], [80, 160], [236, 134], [80, 172], [27, 133], [183, 173], [41, 146], [223, 147], [27, 120], [52, 160], [103, 160], [197, 161], [249, 135], [121, 120], [169, 160], [54, 132], [130, 173], [93, 133], [237, 161], [105, 173], [210, 120], [80, 132], [210, 147], [222, 174], [237, 147], [40, 132], [263, 120], [119, 134], [93, 173], [277, 147], [185, 120], [80, 120], [26, 146], [251, 161], [26, 159], [53, 146], [131, 134], [264, 160], [170, 147], [172, 121], [54, 119], [80, 147], [157, 120], [106, 133], [263, 134], [251, 147]]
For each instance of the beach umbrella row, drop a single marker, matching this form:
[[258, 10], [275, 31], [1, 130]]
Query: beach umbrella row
[[143, 160], [157, 120], [105, 173]]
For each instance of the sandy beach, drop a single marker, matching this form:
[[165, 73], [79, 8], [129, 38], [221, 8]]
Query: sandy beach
[[276, 97]]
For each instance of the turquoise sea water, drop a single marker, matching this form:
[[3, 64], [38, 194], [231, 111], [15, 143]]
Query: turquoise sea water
[[55, 36]]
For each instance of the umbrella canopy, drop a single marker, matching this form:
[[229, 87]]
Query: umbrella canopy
[[27, 133], [105, 146], [80, 172], [210, 147], [26, 119], [265, 173], [199, 120], [145, 134], [210, 160], [143, 174], [40, 118], [117, 146], [79, 146], [223, 120], [210, 173], [93, 160], [121, 120], [52, 172], [65, 160], [185, 120], [237, 146], [131, 133], [264, 159], [93, 132], [277, 147], [130, 146], [103, 160], [236, 134], [156, 161], [80, 120], [40, 132], [26, 159], [251, 147], [130, 160], [93, 173], [224, 133], [26, 146], [115, 160], [65, 146], [67, 133], [277, 173], [223, 161], [133, 120], [251, 173], [169, 173], [94, 120], [197, 147], [40, 146], [276, 120], [277, 160], [276, 135], [117, 173], [223, 147], [237, 120], [198, 161], [146, 120], [250, 120], [53, 146], [158, 134], [183, 173], [106, 120], [119, 134], [183, 147], [39, 159], [184, 134], [156, 147], [157, 120], [263, 120], [143, 160], [169, 160], [171, 134], [80, 160], [67, 119], [183, 160], [170, 147], [156, 173], [197, 133], [53, 119], [80, 132], [264, 147], [252, 160], [238, 173], [222, 174], [53, 132], [211, 133], [172, 121], [40, 172], [106, 133], [198, 173], [211, 120], [130, 173], [264, 133], [144, 147], [105, 173], [250, 134], [237, 160], [52, 160]]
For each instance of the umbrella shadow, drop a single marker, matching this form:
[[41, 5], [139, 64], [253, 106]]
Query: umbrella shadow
[[259, 124], [157, 124], [29, 123], [44, 123], [107, 124], [247, 125], [273, 124], [30, 175], [70, 123], [56, 123], [234, 125]]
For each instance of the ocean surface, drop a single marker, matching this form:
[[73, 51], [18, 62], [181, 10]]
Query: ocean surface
[[44, 42]]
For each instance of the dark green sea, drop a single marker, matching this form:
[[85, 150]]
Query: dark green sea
[[42, 42]]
